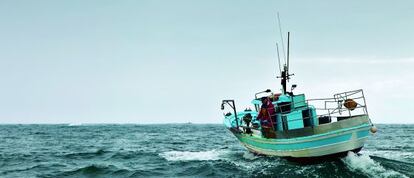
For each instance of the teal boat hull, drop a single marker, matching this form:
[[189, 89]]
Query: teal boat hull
[[326, 139]]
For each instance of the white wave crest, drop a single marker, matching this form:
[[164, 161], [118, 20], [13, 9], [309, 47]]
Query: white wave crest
[[368, 166], [74, 124], [192, 156], [394, 155], [249, 156]]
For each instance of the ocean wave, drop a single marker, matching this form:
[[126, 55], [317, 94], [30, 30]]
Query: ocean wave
[[96, 170], [249, 156], [130, 154], [88, 154], [392, 154], [74, 124], [368, 166], [252, 164], [125, 151], [192, 156]]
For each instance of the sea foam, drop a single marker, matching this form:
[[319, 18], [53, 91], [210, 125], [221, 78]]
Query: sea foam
[[192, 156], [368, 166], [399, 155], [74, 124]]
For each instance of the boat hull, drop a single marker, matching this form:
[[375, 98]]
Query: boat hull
[[323, 144], [319, 159]]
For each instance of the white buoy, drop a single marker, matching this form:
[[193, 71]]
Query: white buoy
[[373, 129]]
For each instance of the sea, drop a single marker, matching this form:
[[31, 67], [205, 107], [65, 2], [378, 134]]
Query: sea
[[181, 150]]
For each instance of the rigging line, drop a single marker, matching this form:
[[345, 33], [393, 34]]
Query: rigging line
[[278, 58], [281, 37]]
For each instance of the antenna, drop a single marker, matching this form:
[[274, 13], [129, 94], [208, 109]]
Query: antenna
[[281, 36], [288, 52], [287, 66], [278, 58], [285, 76]]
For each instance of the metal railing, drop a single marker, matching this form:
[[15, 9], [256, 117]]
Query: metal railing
[[336, 106], [331, 107]]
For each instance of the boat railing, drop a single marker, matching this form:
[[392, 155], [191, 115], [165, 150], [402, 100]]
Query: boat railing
[[345, 104], [330, 107]]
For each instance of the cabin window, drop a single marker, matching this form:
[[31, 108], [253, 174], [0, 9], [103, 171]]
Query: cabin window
[[284, 107]]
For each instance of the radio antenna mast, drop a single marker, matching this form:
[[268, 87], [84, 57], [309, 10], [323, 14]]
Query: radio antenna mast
[[285, 75], [281, 37], [288, 53], [278, 58]]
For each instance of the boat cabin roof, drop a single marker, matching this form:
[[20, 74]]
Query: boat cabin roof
[[280, 99]]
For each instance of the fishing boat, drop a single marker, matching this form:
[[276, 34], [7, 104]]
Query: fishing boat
[[286, 124]]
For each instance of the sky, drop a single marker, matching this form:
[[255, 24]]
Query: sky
[[151, 61]]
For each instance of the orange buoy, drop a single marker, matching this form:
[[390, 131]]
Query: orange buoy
[[373, 129], [350, 104]]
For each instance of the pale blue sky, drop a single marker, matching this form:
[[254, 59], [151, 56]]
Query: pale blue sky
[[153, 61]]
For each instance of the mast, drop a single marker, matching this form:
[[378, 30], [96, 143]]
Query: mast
[[288, 54], [281, 37], [285, 76]]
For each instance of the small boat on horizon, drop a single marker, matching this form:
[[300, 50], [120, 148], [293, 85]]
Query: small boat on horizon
[[289, 125]]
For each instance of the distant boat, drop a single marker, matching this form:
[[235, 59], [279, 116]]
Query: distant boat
[[288, 125]]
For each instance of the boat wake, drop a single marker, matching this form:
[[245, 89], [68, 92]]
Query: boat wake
[[249, 156], [392, 154], [363, 163], [357, 164]]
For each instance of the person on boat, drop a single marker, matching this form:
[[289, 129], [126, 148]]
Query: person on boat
[[264, 114], [265, 119], [275, 97], [271, 111], [247, 119], [270, 107]]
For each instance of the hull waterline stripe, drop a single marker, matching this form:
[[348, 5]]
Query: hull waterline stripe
[[303, 139], [310, 152]]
